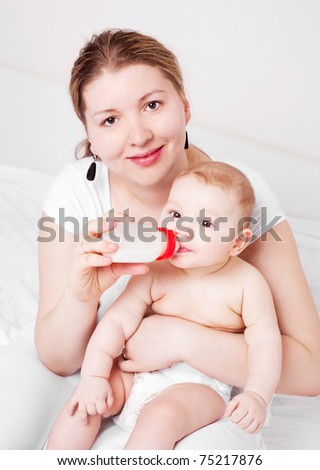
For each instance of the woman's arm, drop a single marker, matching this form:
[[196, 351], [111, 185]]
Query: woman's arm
[[297, 315], [64, 323], [160, 342], [71, 283]]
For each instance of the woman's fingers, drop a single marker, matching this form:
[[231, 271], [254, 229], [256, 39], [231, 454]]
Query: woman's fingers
[[97, 246], [94, 260], [110, 399], [126, 365], [93, 268], [95, 228], [97, 253], [120, 269]]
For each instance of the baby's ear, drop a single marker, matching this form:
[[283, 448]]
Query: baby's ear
[[241, 242]]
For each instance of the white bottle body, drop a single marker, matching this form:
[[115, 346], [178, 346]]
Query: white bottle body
[[136, 244]]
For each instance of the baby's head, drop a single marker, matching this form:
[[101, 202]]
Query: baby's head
[[211, 204], [229, 179]]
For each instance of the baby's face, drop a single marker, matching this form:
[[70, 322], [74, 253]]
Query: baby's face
[[205, 220]]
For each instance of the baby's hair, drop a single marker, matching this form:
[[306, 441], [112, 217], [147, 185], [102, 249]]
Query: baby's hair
[[226, 177]]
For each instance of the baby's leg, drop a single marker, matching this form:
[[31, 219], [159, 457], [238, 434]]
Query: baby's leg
[[173, 414], [70, 433]]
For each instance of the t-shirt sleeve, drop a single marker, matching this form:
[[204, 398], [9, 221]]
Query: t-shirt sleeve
[[72, 201], [267, 212], [68, 201]]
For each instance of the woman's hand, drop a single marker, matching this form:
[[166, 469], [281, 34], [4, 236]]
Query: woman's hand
[[158, 343], [92, 271], [161, 341]]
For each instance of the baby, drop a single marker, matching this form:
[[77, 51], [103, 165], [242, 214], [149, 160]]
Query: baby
[[204, 282]]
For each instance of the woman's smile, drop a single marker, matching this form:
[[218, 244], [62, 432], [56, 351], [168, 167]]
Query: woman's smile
[[147, 158]]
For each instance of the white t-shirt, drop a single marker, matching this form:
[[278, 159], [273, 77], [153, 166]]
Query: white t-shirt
[[73, 200]]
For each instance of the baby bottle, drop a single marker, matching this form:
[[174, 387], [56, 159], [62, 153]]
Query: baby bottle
[[139, 245]]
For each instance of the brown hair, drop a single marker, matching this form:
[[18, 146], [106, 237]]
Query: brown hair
[[114, 49], [226, 177]]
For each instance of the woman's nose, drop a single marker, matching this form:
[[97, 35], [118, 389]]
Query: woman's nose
[[140, 134]]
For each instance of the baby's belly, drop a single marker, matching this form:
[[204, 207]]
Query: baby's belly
[[226, 320]]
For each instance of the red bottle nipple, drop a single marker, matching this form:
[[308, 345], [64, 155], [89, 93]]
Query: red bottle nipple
[[171, 243]]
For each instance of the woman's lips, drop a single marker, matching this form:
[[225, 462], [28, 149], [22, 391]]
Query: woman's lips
[[146, 159]]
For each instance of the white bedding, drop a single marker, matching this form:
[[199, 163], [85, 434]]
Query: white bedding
[[21, 194], [296, 420]]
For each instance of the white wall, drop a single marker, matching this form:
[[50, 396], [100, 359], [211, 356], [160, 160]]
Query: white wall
[[38, 128], [251, 69]]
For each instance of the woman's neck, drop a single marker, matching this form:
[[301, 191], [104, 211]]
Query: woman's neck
[[140, 200], [149, 200]]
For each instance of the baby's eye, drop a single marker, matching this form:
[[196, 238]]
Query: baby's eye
[[110, 121], [152, 105], [206, 223], [175, 214]]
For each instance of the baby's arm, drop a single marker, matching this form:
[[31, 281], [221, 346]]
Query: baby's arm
[[93, 394], [262, 335]]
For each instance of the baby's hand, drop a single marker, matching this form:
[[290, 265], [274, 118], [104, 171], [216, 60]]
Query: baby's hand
[[248, 411], [92, 396]]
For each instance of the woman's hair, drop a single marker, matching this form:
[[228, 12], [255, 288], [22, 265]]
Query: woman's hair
[[226, 177], [112, 50]]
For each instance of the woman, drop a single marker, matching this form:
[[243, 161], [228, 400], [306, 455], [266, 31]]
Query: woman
[[128, 92]]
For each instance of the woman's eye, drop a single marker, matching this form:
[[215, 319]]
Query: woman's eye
[[153, 105], [175, 215], [110, 121]]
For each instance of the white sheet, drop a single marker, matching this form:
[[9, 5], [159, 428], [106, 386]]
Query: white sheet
[[296, 420], [21, 194]]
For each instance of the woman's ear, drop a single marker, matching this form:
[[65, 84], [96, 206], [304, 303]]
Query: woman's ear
[[186, 105], [91, 148], [241, 242]]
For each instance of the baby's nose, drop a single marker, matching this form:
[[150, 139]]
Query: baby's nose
[[183, 235]]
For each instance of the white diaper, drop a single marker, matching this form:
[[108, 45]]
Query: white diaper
[[147, 385]]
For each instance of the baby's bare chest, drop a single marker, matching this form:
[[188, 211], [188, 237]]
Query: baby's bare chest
[[215, 304]]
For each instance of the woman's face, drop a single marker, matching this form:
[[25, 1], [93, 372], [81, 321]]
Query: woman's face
[[136, 123]]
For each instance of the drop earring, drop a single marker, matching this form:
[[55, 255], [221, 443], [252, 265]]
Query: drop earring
[[186, 144], [91, 173]]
